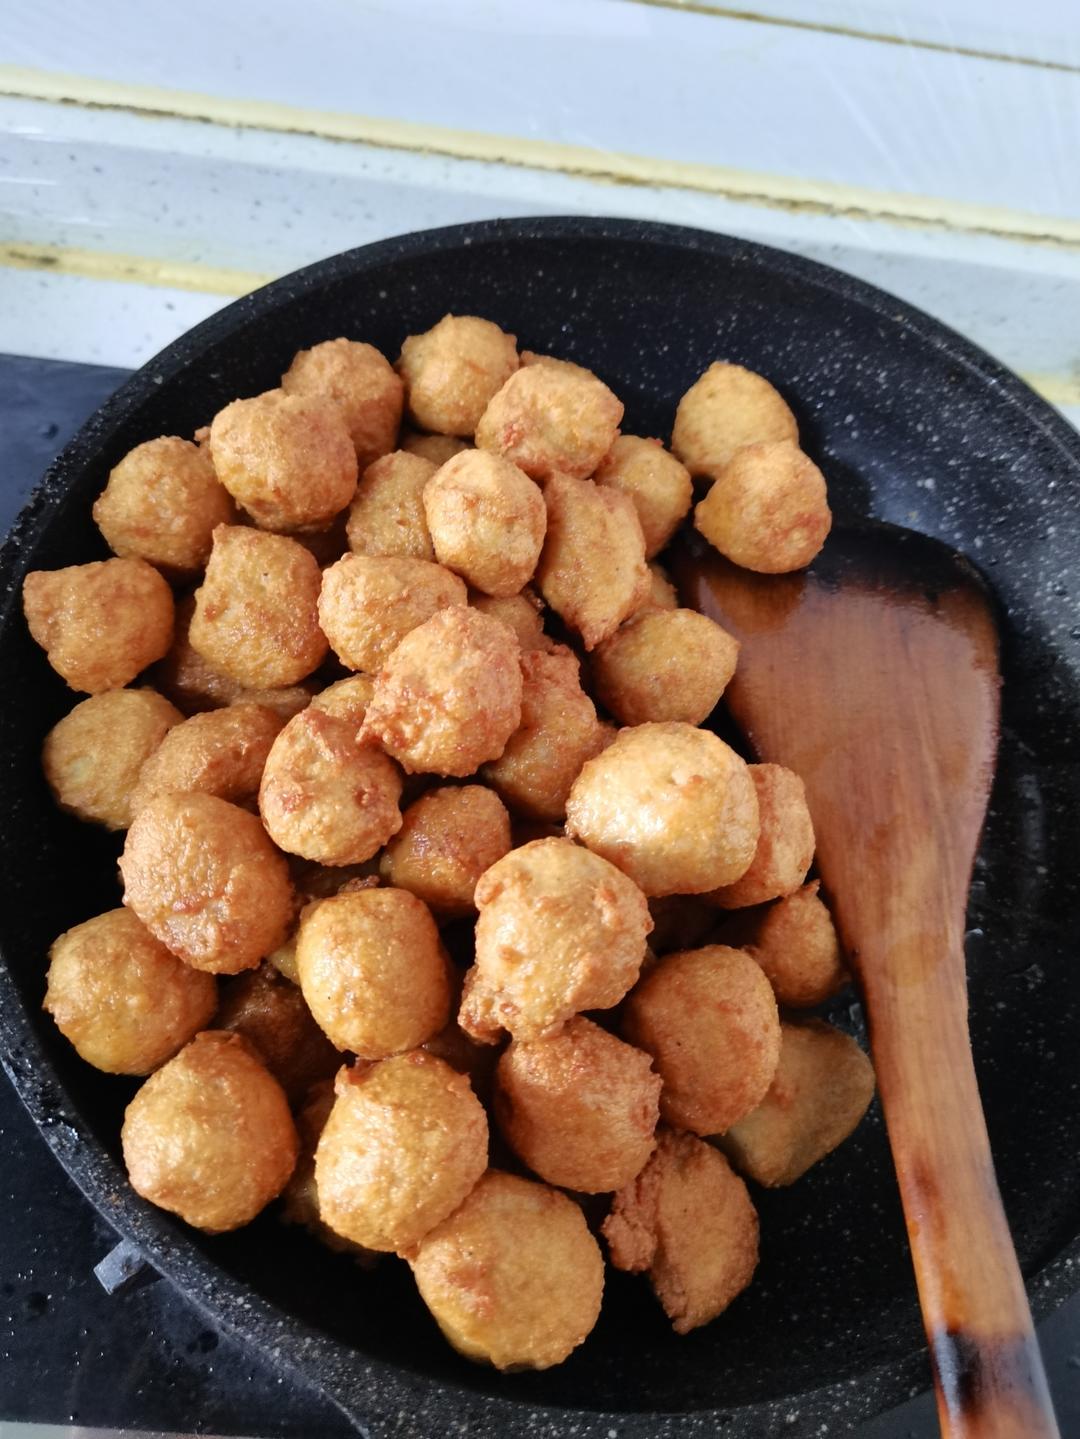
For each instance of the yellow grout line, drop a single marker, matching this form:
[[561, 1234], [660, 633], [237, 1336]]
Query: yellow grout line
[[778, 191]]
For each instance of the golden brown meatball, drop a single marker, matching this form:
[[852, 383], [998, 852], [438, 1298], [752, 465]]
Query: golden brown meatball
[[300, 1197], [658, 484], [559, 732], [795, 943], [162, 504], [513, 1276], [209, 1135], [256, 616], [369, 603], [453, 370], [708, 1018], [680, 921], [448, 838], [560, 931], [689, 1222], [664, 665], [671, 805], [205, 879], [362, 384], [221, 752], [99, 624], [405, 1142], [346, 699], [449, 697], [592, 569], [822, 1088], [93, 757], [476, 1061], [272, 1014], [785, 844], [387, 516], [768, 511], [120, 997], [522, 613], [487, 521], [373, 972], [579, 1107], [662, 594], [436, 448], [727, 408], [325, 798], [551, 418]]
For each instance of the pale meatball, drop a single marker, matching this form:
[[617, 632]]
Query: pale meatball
[[387, 515], [768, 511], [93, 756], [448, 838], [795, 943], [664, 665], [559, 732], [513, 1276], [592, 569], [785, 844], [560, 931], [373, 971], [222, 752], [487, 521], [453, 370], [256, 612], [100, 624], [658, 484], [162, 504], [204, 878], [272, 1015], [436, 448], [522, 613], [822, 1088], [209, 1136], [362, 384], [579, 1107], [671, 805], [346, 699], [449, 696], [121, 998], [285, 459], [688, 1222], [708, 1018], [325, 798], [406, 1141], [662, 594], [551, 418], [727, 408], [369, 603]]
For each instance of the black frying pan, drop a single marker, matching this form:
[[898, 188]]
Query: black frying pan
[[911, 424]]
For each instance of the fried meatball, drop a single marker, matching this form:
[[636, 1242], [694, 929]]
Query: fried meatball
[[768, 511], [709, 1020], [99, 624], [592, 569], [405, 1142], [436, 448], [795, 943], [121, 998], [822, 1088], [300, 1197], [522, 613], [513, 1276], [369, 603], [785, 844], [551, 418], [373, 972], [256, 616], [204, 878], [680, 921], [361, 383], [346, 699], [448, 838], [93, 756], [477, 1061], [487, 521], [387, 516], [671, 805], [727, 408], [453, 370], [271, 1013], [162, 504], [449, 697], [221, 752], [664, 665], [579, 1107], [689, 1222], [560, 931], [658, 484], [209, 1135], [662, 594], [559, 732]]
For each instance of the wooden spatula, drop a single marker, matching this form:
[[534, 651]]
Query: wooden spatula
[[874, 676]]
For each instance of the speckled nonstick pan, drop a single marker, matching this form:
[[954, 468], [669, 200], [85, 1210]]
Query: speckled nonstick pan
[[911, 424]]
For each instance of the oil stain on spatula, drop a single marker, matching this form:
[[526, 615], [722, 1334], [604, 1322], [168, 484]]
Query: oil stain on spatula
[[874, 675]]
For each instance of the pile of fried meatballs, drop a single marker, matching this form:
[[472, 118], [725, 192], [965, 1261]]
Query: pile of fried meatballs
[[442, 915]]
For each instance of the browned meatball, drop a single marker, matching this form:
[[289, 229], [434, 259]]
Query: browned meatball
[[551, 418], [768, 511], [664, 665], [680, 921], [658, 484], [369, 603], [436, 448], [487, 521], [785, 844], [346, 699], [523, 613], [448, 838], [452, 371], [727, 408], [221, 752], [300, 1198], [387, 516], [361, 383], [272, 1014], [795, 943], [661, 595]]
